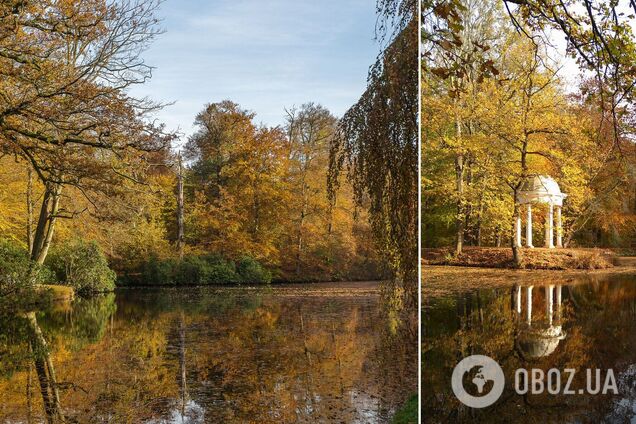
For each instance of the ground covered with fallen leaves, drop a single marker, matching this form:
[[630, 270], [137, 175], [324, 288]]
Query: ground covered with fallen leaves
[[537, 258]]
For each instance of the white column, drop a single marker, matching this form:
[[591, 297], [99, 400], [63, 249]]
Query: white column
[[529, 305], [559, 228], [549, 229], [558, 301], [518, 302], [549, 302], [529, 227], [518, 231]]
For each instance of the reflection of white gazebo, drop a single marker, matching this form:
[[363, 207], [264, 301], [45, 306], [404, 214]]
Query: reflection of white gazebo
[[541, 189], [539, 339]]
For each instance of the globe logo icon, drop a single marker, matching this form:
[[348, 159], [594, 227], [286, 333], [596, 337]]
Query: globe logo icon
[[485, 370], [480, 380]]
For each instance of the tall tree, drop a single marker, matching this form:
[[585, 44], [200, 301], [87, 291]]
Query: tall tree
[[237, 181], [378, 145], [67, 67], [310, 131]]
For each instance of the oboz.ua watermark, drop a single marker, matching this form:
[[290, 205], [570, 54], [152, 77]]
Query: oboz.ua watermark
[[485, 381]]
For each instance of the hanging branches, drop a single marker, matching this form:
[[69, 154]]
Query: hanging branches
[[377, 146]]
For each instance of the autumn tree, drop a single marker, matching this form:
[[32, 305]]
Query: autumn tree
[[599, 37], [378, 145], [457, 71], [65, 108], [530, 119], [310, 130], [236, 180], [519, 121]]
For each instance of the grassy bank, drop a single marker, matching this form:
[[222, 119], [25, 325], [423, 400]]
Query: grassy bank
[[59, 293], [537, 258]]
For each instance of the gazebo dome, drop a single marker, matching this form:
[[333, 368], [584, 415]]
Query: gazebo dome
[[535, 344], [541, 189]]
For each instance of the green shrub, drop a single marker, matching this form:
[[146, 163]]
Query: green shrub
[[189, 271], [218, 270], [83, 266], [18, 275], [17, 269], [251, 271], [157, 271], [202, 270]]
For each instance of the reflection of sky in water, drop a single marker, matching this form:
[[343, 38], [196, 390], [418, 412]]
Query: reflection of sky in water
[[626, 402], [191, 414]]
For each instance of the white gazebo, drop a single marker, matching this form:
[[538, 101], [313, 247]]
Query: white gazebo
[[539, 338], [541, 189]]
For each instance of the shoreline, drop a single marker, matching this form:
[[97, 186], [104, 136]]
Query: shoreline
[[442, 280], [538, 258]]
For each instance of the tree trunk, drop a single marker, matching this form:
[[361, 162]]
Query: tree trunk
[[480, 212], [300, 240], [29, 201], [46, 222], [516, 253], [256, 209], [180, 217], [498, 237], [301, 221], [459, 221], [459, 181], [469, 235]]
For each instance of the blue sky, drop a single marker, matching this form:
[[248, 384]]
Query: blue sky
[[264, 55]]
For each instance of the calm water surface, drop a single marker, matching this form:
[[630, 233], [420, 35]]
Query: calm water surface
[[318, 353], [582, 322]]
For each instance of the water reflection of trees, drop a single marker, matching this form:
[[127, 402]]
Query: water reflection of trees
[[593, 329], [28, 363], [229, 359]]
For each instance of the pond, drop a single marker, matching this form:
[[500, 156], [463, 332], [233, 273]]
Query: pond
[[311, 353], [531, 321]]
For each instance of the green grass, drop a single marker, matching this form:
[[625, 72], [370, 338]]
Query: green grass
[[407, 414]]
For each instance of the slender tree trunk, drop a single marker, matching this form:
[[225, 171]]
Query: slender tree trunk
[[498, 237], [300, 240], [459, 221], [180, 217], [469, 235], [46, 222], [516, 254], [459, 181], [301, 222], [43, 219], [29, 201], [478, 224], [256, 208]]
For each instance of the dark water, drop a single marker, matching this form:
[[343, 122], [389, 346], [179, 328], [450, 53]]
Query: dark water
[[587, 322], [282, 355]]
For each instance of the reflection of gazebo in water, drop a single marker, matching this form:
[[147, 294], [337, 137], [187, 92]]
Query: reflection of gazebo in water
[[541, 189], [539, 339]]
